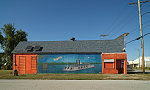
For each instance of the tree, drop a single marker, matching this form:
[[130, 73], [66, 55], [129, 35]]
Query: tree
[[1, 38], [9, 41], [1, 58], [1, 54], [20, 36]]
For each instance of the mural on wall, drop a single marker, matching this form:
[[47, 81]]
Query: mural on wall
[[69, 63]]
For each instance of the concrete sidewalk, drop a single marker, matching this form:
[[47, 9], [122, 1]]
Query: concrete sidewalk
[[74, 85]]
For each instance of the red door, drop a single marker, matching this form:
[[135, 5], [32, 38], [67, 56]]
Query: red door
[[34, 64], [120, 66], [22, 65]]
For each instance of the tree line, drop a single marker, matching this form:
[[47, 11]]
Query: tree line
[[9, 38]]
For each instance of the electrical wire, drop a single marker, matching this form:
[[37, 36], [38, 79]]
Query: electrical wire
[[124, 26], [137, 38], [115, 21]]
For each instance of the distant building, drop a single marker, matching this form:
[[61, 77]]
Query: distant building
[[74, 56], [138, 62]]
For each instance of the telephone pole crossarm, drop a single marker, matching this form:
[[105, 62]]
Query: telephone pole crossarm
[[104, 36], [137, 2]]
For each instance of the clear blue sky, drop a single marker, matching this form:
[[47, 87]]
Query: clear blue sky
[[53, 20]]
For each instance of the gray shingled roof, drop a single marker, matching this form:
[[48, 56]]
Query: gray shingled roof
[[79, 46]]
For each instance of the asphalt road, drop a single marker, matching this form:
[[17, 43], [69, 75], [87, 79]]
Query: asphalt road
[[74, 85]]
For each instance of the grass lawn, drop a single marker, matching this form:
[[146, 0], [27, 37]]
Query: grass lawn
[[7, 74]]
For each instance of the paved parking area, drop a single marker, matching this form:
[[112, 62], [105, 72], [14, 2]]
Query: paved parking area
[[74, 85]]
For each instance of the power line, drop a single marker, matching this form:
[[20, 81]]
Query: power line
[[112, 29], [136, 29], [145, 13], [133, 31], [122, 25], [137, 38], [116, 20], [146, 21]]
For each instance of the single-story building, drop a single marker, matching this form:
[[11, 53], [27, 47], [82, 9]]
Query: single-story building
[[73, 56]]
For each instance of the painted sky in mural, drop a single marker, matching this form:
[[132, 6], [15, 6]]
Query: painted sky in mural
[[57, 58]]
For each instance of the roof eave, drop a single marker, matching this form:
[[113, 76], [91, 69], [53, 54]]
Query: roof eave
[[64, 52]]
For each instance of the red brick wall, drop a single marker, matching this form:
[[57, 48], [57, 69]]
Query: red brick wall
[[114, 56], [110, 71], [20, 66]]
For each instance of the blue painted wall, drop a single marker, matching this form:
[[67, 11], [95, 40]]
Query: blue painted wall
[[55, 63]]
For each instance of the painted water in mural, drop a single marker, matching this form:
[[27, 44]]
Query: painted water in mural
[[69, 63]]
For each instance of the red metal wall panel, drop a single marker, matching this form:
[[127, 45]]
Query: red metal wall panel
[[22, 64]]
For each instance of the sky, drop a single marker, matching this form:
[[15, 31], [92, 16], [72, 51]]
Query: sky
[[58, 20]]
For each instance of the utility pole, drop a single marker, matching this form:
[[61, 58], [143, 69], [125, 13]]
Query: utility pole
[[104, 36], [141, 32]]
